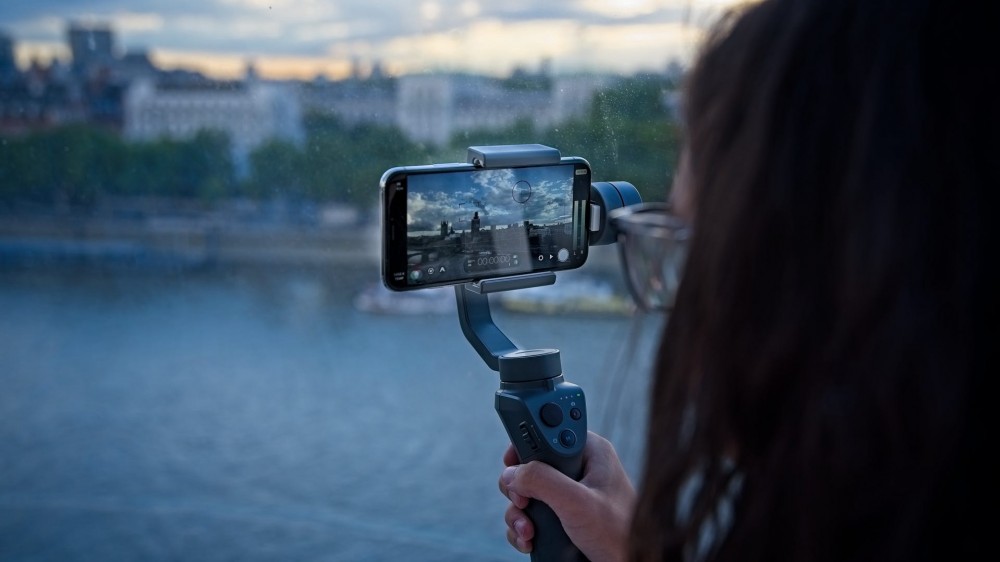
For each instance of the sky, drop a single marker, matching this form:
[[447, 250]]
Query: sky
[[305, 38], [500, 196]]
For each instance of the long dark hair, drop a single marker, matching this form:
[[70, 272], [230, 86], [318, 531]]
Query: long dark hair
[[819, 390]]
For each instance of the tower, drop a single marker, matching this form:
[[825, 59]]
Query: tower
[[8, 66], [91, 46]]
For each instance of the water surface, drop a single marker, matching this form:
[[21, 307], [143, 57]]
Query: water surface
[[224, 415]]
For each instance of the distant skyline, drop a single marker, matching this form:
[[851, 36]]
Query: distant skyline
[[304, 38]]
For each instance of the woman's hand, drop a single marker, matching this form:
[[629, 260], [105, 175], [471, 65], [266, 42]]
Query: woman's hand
[[595, 512]]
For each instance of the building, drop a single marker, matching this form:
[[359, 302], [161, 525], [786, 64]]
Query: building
[[92, 48], [54, 94], [353, 101], [250, 112], [433, 107], [428, 108], [425, 107], [41, 96], [133, 66], [8, 66]]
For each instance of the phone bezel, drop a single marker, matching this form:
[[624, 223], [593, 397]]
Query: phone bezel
[[393, 221]]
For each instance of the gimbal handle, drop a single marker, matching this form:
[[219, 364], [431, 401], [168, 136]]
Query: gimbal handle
[[546, 421], [544, 416]]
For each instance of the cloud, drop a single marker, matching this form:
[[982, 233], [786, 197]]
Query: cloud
[[456, 197], [405, 35]]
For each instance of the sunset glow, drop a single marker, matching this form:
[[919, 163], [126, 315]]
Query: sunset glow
[[303, 39]]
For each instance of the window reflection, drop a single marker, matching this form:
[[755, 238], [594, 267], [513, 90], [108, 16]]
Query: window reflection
[[187, 235]]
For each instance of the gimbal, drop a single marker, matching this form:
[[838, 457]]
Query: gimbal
[[544, 415]]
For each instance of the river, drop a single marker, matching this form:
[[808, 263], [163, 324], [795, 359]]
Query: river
[[225, 414]]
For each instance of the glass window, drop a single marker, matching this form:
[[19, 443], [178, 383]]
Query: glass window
[[198, 358]]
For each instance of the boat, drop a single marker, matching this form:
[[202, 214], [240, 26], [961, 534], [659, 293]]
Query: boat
[[377, 299]]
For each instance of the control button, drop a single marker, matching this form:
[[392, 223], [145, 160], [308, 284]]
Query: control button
[[575, 413], [552, 414], [567, 438], [526, 435]]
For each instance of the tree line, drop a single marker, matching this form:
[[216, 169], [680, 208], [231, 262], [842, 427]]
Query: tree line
[[628, 134]]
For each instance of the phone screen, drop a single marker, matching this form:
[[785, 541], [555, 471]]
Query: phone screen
[[458, 226]]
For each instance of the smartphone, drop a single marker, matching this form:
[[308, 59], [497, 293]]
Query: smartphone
[[446, 224]]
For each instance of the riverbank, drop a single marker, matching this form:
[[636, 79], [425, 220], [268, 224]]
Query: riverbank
[[189, 241], [194, 241]]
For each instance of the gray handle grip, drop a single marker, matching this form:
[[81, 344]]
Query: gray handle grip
[[547, 422], [550, 543]]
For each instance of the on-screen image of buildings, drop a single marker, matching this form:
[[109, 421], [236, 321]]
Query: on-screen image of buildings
[[507, 248]]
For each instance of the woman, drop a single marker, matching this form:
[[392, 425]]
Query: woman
[[819, 388]]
